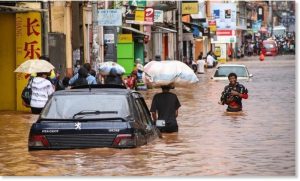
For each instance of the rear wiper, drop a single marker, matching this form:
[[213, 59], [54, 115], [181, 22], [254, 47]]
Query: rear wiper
[[94, 112]]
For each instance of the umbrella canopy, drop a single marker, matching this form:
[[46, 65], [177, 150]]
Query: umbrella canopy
[[105, 68], [160, 73], [35, 66]]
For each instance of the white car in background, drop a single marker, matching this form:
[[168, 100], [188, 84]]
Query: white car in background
[[222, 72]]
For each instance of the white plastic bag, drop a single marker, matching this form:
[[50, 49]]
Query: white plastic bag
[[105, 68], [160, 73]]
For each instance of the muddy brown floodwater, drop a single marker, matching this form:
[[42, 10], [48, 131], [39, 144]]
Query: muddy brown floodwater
[[258, 142]]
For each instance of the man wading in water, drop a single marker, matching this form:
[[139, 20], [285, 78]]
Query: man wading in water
[[233, 94]]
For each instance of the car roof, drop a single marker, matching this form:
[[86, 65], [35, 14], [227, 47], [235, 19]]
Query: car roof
[[95, 90], [231, 65]]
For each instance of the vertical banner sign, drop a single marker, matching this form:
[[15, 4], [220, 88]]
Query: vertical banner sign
[[139, 16], [28, 46], [212, 25], [149, 16]]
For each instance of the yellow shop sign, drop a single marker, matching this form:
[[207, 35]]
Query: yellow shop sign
[[190, 8], [125, 38]]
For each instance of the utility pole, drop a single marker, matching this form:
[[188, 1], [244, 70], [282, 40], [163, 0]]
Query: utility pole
[[45, 16], [95, 47], [87, 21], [270, 22], [67, 31], [180, 45]]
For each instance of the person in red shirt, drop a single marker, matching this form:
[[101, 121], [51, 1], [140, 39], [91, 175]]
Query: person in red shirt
[[233, 94], [132, 80]]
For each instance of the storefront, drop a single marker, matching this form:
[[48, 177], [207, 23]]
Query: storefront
[[20, 35], [130, 47]]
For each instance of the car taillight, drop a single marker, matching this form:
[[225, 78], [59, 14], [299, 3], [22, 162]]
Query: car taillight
[[38, 140], [124, 140]]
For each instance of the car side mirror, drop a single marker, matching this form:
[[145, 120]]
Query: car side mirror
[[250, 75]]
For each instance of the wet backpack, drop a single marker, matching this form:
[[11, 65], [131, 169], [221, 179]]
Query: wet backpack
[[27, 92]]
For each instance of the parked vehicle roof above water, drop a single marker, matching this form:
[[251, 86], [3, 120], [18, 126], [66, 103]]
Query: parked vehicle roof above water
[[73, 103], [223, 70]]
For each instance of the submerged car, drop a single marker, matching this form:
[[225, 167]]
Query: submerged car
[[95, 116], [222, 72]]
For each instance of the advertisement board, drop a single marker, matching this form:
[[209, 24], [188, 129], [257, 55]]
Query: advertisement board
[[212, 25], [144, 16], [225, 15], [220, 51], [158, 16], [109, 17], [124, 38], [190, 8]]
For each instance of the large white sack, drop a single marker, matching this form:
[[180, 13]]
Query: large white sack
[[105, 68], [159, 73], [186, 75]]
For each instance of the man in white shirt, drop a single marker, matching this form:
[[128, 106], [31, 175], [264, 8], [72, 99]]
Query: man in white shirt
[[210, 61]]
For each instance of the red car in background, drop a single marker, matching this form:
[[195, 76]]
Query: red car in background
[[270, 47]]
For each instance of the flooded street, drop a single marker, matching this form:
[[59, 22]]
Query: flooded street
[[210, 142]]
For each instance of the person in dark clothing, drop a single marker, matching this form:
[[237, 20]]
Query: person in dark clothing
[[166, 105], [65, 82], [82, 75], [114, 78], [233, 94]]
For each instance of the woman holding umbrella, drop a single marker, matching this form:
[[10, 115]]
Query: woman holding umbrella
[[41, 87]]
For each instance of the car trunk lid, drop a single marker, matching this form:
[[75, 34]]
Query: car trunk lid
[[79, 134]]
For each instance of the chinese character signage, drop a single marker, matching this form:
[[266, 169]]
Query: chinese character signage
[[109, 17], [28, 45], [190, 8], [225, 15]]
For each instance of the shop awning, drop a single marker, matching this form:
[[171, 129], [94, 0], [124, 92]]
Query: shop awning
[[15, 9], [190, 27], [166, 30], [134, 30]]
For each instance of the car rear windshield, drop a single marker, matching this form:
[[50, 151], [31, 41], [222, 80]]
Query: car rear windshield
[[86, 106], [268, 45], [225, 71]]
